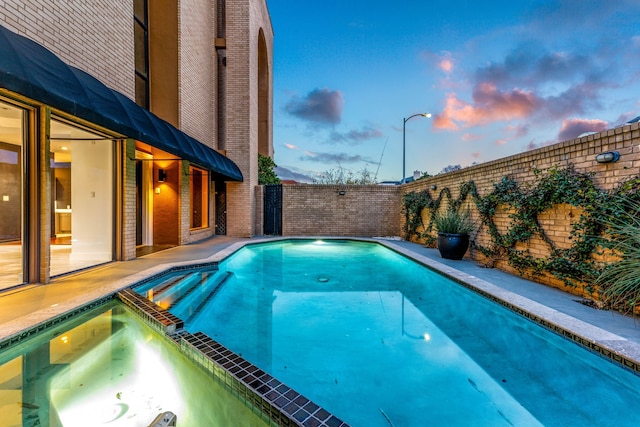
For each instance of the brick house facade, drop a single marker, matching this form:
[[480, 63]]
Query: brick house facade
[[203, 68]]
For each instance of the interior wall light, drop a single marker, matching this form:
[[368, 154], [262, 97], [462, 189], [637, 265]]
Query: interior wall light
[[608, 157], [162, 175]]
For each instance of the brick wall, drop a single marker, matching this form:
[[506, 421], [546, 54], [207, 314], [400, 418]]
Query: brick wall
[[557, 221], [244, 20], [129, 203], [197, 70], [377, 210], [259, 217], [93, 35], [363, 210]]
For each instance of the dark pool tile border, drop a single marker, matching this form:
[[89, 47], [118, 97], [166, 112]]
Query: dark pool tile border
[[41, 327], [275, 401], [152, 314], [283, 405], [586, 343], [603, 349]]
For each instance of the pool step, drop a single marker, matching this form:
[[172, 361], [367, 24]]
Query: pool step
[[166, 285], [223, 278], [196, 283], [172, 285]]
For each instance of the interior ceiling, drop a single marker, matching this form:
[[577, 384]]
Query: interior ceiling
[[62, 135], [11, 124]]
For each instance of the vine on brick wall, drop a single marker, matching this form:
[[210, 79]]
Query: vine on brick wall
[[413, 204], [575, 265]]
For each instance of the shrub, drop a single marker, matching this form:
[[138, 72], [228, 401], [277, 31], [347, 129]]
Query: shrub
[[454, 221], [620, 280]]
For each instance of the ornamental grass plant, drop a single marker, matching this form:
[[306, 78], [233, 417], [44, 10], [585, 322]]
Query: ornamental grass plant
[[620, 280], [454, 221]]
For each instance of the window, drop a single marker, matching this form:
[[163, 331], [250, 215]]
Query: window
[[199, 184], [82, 191], [12, 242], [141, 40]]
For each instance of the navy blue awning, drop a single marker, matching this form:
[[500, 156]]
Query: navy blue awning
[[31, 70]]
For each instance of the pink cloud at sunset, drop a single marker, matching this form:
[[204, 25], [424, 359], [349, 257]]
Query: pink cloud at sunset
[[446, 65], [489, 105]]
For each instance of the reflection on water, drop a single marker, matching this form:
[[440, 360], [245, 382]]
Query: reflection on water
[[107, 368]]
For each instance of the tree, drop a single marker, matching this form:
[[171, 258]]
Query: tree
[[345, 177], [266, 174]]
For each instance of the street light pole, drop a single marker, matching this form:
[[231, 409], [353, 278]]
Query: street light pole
[[404, 146]]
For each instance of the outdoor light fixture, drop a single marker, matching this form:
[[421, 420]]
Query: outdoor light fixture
[[434, 187], [162, 175], [404, 151], [342, 193], [608, 157]]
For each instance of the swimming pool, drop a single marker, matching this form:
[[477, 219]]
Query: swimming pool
[[380, 340], [105, 367]]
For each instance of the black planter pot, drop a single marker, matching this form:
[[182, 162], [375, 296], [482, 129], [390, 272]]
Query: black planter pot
[[452, 245]]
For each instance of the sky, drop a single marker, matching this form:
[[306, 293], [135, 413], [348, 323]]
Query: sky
[[499, 77]]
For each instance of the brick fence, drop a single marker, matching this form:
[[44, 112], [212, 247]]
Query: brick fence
[[377, 210], [557, 222], [333, 210]]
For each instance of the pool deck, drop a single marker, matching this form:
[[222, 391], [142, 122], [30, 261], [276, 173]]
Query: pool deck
[[23, 308]]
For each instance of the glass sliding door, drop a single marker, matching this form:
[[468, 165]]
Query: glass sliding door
[[12, 247], [82, 189]]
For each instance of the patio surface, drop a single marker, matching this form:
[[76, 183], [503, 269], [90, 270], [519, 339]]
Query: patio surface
[[23, 308]]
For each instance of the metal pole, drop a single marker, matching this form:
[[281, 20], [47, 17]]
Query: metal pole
[[404, 150]]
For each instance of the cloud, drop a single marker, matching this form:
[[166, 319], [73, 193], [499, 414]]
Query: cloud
[[354, 137], [518, 130], [489, 104], [532, 145], [530, 64], [291, 146], [291, 174], [501, 142], [470, 137], [320, 106], [446, 65], [571, 128], [442, 60], [338, 158]]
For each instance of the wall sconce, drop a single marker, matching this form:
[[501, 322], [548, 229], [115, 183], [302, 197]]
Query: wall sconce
[[608, 157], [162, 175], [342, 193], [434, 187]]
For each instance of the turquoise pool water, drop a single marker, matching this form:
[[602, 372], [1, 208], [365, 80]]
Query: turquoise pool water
[[380, 340], [106, 368]]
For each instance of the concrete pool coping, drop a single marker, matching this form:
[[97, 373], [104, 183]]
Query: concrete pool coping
[[609, 333]]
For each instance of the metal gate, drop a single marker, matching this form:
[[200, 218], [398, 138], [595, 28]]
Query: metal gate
[[221, 208], [273, 209]]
